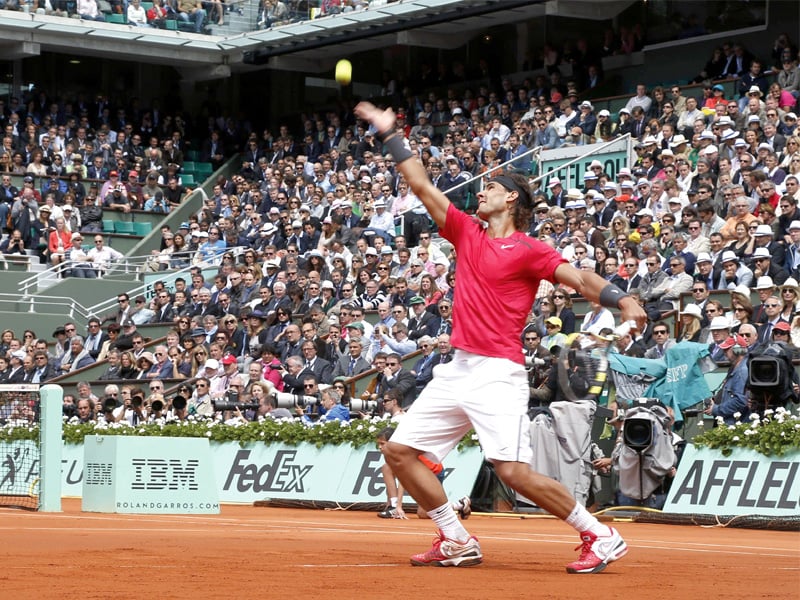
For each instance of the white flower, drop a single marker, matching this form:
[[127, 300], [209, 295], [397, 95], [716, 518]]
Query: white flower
[[768, 412], [754, 417], [736, 438], [737, 415], [208, 434], [700, 424], [720, 420], [749, 432]]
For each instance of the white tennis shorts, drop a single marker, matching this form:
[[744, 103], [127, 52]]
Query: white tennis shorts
[[472, 391]]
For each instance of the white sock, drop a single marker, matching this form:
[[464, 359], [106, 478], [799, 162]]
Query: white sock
[[393, 502], [446, 519], [582, 520]]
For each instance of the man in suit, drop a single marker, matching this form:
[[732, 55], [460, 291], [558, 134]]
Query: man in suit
[[633, 280], [95, 337], [663, 341], [397, 378], [772, 310], [627, 346], [205, 306], [423, 322], [557, 195], [43, 370], [423, 368], [610, 268], [320, 367], [352, 363], [720, 330], [164, 310]]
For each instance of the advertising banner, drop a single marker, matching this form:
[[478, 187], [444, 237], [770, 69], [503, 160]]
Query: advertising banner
[[19, 468], [148, 475], [304, 472], [614, 157], [744, 483]]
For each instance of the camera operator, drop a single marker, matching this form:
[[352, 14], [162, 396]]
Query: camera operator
[[179, 410], [311, 388], [537, 357], [330, 407], [109, 405], [291, 375], [156, 406], [732, 397], [660, 463]]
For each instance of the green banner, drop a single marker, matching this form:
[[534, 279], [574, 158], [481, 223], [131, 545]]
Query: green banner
[[614, 157], [744, 483]]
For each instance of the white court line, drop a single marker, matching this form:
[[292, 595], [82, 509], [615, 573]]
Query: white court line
[[357, 528], [544, 539]]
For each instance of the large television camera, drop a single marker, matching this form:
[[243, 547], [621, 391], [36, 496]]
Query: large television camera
[[646, 454]]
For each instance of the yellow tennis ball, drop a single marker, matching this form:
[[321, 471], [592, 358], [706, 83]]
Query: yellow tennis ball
[[344, 70]]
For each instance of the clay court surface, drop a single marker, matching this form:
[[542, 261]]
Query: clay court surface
[[248, 552]]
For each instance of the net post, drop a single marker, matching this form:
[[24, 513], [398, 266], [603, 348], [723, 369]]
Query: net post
[[50, 444]]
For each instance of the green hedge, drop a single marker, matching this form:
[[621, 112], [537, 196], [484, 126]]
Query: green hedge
[[291, 432]]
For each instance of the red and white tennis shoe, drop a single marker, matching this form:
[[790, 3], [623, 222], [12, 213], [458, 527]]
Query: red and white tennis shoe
[[597, 551], [449, 553]]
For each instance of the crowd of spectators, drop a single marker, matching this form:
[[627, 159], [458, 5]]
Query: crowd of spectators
[[196, 14], [316, 228]]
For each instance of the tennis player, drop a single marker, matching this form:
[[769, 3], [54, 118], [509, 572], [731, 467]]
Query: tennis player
[[485, 386]]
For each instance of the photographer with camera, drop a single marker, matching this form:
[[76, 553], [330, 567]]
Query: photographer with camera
[[330, 408], [645, 456], [733, 396]]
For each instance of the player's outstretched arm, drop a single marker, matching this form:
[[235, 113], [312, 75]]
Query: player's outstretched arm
[[433, 199], [590, 286]]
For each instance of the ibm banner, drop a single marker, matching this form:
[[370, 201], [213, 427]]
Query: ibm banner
[[744, 483], [304, 472]]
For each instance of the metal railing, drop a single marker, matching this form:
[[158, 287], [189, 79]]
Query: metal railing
[[40, 304], [480, 177], [567, 165]]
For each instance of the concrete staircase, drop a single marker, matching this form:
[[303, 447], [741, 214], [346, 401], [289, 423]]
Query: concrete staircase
[[236, 22]]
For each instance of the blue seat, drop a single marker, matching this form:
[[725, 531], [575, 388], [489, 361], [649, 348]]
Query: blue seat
[[124, 227], [108, 225], [142, 228]]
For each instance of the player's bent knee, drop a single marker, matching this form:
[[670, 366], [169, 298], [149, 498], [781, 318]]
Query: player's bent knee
[[513, 474], [397, 454]]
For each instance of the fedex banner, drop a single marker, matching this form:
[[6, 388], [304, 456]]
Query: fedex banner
[[304, 472], [744, 483]]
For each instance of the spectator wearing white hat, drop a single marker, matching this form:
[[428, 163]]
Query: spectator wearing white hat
[[734, 272], [764, 238], [764, 264]]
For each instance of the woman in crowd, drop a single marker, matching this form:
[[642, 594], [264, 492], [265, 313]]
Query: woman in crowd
[[743, 244], [790, 296], [689, 328], [127, 366], [199, 358], [429, 291], [562, 308], [340, 385], [742, 310]]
